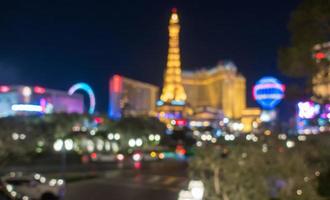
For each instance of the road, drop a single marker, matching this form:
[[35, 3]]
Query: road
[[125, 188], [161, 181]]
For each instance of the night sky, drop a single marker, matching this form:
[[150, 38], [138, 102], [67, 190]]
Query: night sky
[[58, 43]]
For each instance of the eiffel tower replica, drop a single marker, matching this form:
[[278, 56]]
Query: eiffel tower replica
[[172, 103]]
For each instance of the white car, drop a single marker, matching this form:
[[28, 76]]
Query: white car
[[32, 187]]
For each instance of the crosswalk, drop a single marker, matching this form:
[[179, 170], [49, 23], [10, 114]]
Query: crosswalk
[[171, 183]]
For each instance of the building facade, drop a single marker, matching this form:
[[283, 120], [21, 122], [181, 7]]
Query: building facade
[[27, 100], [222, 88], [130, 97]]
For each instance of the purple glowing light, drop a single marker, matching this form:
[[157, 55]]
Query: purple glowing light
[[326, 112], [308, 110]]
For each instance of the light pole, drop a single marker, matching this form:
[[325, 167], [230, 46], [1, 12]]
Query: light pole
[[63, 146]]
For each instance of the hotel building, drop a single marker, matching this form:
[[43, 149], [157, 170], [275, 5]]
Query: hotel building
[[222, 88], [130, 97]]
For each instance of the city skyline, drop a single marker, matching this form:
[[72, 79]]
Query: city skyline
[[166, 100], [82, 55]]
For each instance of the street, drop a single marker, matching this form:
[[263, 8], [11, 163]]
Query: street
[[158, 180], [121, 187]]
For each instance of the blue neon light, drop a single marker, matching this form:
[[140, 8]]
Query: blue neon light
[[88, 89], [268, 92], [26, 108], [177, 103], [160, 103]]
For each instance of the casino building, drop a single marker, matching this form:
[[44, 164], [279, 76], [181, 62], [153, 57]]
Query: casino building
[[218, 93], [221, 87], [130, 97], [203, 96], [32, 100]]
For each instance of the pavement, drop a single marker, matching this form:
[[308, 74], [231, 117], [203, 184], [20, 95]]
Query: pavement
[[126, 187], [161, 181]]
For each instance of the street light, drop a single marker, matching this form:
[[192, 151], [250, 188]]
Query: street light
[[63, 146], [157, 138], [151, 137], [139, 142], [68, 144], [58, 145], [110, 136], [131, 143], [117, 136]]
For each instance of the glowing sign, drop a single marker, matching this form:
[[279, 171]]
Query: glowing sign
[[26, 91], [26, 108], [43, 104], [268, 92], [39, 90], [326, 112], [267, 116], [320, 55], [116, 84], [160, 103], [4, 89], [180, 122], [115, 90], [85, 87], [177, 103], [98, 120], [308, 110]]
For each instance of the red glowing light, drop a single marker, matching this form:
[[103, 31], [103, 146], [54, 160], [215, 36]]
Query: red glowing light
[[174, 10], [180, 150], [39, 90], [93, 156], [98, 120], [180, 122], [4, 89], [120, 157], [320, 55], [137, 165], [116, 84]]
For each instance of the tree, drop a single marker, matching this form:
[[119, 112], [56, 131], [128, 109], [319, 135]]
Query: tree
[[263, 170], [38, 131], [309, 25]]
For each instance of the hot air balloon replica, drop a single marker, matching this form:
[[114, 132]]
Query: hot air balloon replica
[[268, 92]]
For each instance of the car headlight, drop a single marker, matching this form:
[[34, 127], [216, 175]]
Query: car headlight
[[60, 182], [52, 182], [9, 188], [43, 179], [13, 194], [25, 198], [37, 176]]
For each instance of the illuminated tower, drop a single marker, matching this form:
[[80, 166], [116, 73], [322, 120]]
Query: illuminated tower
[[173, 91], [171, 105]]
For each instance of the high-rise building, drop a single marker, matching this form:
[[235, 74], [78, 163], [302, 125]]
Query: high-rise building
[[34, 100], [130, 97], [173, 97], [222, 88]]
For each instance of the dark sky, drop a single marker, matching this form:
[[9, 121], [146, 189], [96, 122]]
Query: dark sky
[[60, 42]]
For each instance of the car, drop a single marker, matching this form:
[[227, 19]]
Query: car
[[32, 186], [102, 157]]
